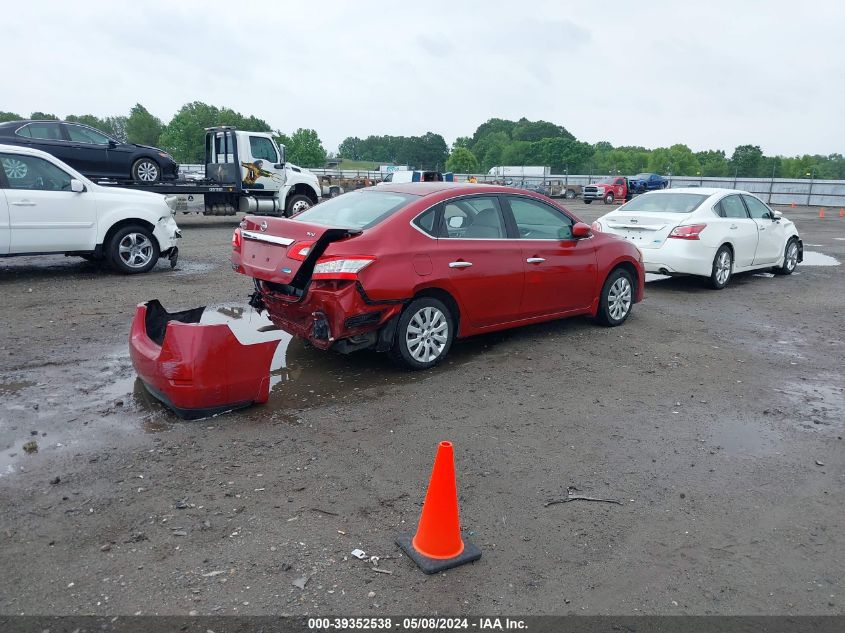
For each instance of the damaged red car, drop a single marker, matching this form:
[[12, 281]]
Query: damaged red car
[[408, 268]]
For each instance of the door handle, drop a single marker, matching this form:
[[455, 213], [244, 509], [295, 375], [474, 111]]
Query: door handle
[[762, 228], [460, 264], [535, 260], [23, 203], [732, 226]]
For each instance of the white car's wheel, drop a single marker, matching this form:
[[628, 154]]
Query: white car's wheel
[[133, 249], [790, 258], [723, 264]]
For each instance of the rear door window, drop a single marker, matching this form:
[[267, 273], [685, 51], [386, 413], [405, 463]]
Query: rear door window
[[732, 207], [45, 130], [476, 217]]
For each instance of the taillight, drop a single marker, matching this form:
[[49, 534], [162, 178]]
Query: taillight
[[236, 240], [689, 232], [596, 226], [300, 250], [342, 267]]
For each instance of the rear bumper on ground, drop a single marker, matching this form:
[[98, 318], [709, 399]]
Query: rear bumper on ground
[[330, 312], [197, 369]]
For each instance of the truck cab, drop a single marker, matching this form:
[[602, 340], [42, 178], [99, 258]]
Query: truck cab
[[609, 189], [255, 164]]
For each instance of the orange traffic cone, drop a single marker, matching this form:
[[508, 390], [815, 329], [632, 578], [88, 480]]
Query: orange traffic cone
[[821, 213], [438, 545], [791, 205], [842, 212]]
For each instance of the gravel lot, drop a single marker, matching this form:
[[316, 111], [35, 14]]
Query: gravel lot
[[716, 418]]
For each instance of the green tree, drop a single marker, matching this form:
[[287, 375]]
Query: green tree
[[116, 127], [142, 127], [42, 116], [9, 116], [713, 163], [462, 161], [677, 160], [351, 148], [462, 141], [526, 130], [303, 148], [184, 136], [86, 119], [747, 160]]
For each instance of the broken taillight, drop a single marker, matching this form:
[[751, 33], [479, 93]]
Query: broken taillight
[[688, 232], [236, 240], [341, 267]]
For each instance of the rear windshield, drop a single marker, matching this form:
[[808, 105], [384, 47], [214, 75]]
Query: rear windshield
[[666, 202], [356, 209]]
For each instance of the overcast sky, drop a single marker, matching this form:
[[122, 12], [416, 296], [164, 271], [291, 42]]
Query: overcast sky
[[711, 75]]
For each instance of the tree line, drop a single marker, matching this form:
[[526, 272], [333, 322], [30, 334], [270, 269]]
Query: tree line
[[495, 142], [184, 135]]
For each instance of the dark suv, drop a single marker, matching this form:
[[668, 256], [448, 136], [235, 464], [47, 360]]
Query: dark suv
[[90, 151]]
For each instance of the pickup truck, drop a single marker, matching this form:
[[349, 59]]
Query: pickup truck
[[650, 181], [610, 190]]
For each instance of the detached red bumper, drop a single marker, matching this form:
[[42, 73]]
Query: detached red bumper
[[197, 369]]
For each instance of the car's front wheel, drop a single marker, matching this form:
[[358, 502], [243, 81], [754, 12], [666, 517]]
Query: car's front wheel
[[587, 201], [790, 258], [133, 249], [570, 194], [617, 298], [297, 204], [424, 334], [722, 268], [608, 199], [146, 171]]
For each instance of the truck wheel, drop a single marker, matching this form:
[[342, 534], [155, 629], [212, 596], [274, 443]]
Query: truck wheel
[[133, 249], [297, 204], [146, 170], [587, 201], [570, 194], [608, 199]]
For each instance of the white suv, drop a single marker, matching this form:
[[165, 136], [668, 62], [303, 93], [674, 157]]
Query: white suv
[[48, 207]]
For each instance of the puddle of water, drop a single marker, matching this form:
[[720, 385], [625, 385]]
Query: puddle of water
[[812, 258], [820, 403], [9, 388], [744, 439]]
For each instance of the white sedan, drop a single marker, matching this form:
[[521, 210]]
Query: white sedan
[[712, 233], [48, 207]]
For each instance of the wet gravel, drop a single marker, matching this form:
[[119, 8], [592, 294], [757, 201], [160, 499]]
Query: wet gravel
[[716, 418]]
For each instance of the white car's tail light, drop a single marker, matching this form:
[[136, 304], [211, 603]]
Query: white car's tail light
[[688, 232], [341, 267]]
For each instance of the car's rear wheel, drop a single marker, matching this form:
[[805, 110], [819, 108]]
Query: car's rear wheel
[[570, 194], [133, 249], [790, 258], [608, 199], [424, 334], [617, 298], [723, 264], [146, 170]]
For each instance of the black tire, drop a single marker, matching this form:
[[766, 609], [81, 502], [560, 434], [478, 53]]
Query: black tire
[[609, 198], [617, 298], [146, 170], [570, 194], [723, 265], [587, 201], [132, 249], [297, 204], [417, 314], [790, 258]]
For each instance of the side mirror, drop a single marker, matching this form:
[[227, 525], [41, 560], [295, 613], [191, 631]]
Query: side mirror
[[776, 215], [112, 144], [581, 230], [77, 186]]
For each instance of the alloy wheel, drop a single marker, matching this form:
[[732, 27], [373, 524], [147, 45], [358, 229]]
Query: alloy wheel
[[791, 256], [723, 267], [135, 250], [619, 298], [427, 334], [147, 171]]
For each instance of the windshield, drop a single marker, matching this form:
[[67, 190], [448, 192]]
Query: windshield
[[665, 203], [605, 181], [642, 176], [356, 209]]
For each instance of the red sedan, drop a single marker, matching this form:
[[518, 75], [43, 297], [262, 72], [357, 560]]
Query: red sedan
[[407, 268]]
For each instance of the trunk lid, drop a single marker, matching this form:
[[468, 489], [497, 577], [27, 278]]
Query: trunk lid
[[646, 230], [273, 249]]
